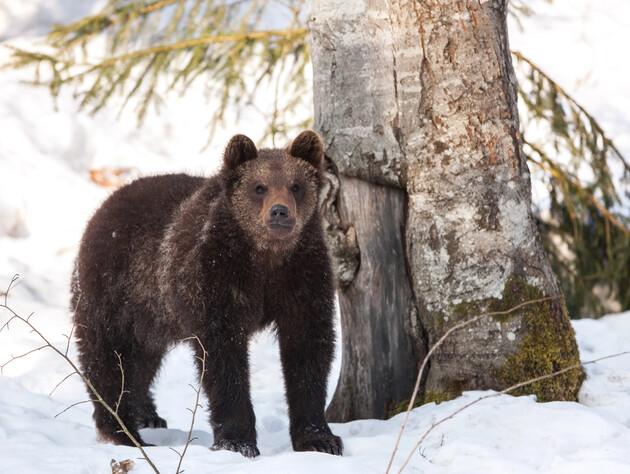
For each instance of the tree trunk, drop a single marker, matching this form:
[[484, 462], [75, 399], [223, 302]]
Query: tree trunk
[[416, 104], [377, 308]]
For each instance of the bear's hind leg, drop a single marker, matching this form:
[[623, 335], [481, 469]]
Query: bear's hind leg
[[101, 366], [146, 362]]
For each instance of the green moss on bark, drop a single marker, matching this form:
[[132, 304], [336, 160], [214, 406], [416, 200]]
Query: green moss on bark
[[547, 346], [436, 397], [548, 342], [429, 397], [401, 407]]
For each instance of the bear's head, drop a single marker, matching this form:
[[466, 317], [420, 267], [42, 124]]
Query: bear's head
[[273, 192]]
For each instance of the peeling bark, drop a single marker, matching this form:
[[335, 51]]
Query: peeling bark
[[420, 99]]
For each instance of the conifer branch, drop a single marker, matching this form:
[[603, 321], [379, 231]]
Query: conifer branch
[[66, 37], [548, 165], [608, 143], [294, 34], [155, 45], [587, 214]]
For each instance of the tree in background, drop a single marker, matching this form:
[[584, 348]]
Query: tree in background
[[447, 185], [585, 228]]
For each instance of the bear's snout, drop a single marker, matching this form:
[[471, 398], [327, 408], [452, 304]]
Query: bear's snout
[[280, 221], [279, 213]]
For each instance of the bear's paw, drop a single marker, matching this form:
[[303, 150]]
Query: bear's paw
[[321, 442], [246, 449]]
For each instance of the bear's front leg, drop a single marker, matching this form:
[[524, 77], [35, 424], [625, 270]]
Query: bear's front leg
[[226, 383], [306, 351]]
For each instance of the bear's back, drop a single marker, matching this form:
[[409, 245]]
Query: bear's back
[[131, 222], [145, 205]]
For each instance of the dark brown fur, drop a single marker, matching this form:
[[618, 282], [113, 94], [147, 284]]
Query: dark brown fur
[[167, 257]]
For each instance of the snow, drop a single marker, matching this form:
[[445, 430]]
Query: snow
[[46, 198]]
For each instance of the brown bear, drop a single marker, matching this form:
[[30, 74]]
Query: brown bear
[[169, 257]]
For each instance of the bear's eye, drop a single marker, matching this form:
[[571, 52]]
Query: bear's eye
[[295, 188], [260, 189]]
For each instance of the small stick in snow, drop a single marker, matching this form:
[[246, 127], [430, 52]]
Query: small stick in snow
[[503, 392], [436, 345], [116, 467], [122, 382], [190, 438], [64, 355]]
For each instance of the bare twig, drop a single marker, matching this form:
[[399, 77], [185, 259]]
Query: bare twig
[[72, 406], [62, 381], [6, 293], [122, 382], [91, 387], [69, 336], [437, 344], [190, 437], [14, 358], [503, 392]]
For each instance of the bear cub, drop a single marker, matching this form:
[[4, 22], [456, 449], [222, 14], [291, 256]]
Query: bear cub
[[169, 257]]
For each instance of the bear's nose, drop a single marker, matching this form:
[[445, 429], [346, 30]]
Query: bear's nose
[[279, 213]]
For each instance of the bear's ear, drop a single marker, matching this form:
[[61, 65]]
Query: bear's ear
[[238, 150], [309, 147]]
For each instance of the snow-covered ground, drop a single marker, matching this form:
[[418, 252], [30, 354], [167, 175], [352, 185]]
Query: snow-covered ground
[[46, 197]]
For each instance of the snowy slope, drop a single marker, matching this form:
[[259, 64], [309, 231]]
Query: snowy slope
[[46, 197]]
